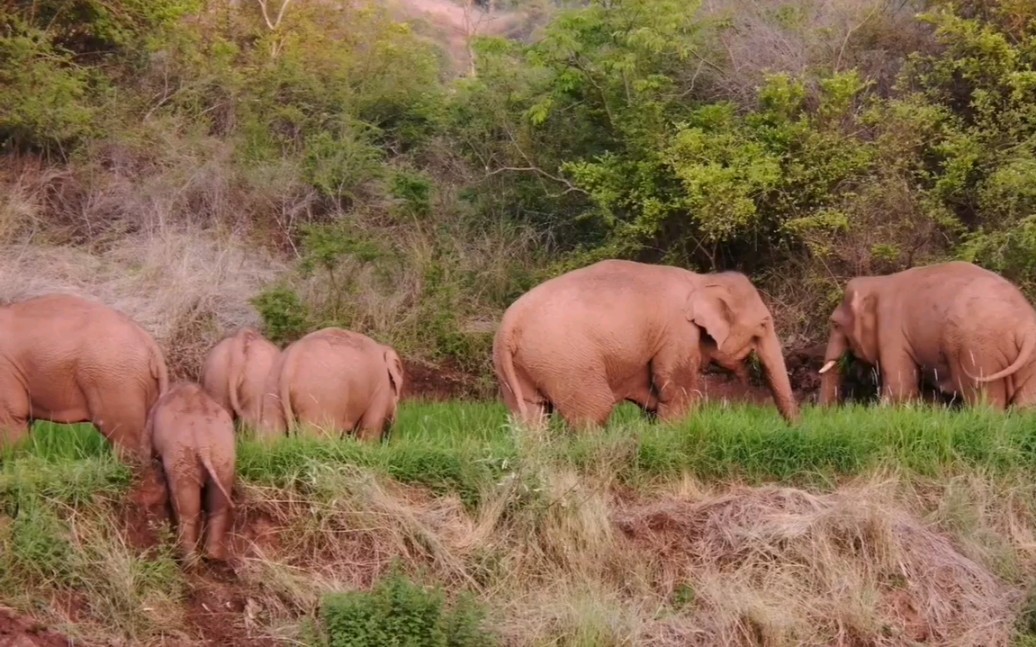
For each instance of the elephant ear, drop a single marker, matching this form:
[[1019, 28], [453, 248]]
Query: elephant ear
[[708, 308], [395, 370]]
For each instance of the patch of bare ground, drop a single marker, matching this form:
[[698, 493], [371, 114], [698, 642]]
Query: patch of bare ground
[[18, 631]]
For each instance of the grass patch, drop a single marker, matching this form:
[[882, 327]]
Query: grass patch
[[465, 449], [532, 527]]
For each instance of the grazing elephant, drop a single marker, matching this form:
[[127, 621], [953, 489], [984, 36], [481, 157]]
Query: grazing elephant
[[961, 328], [192, 437], [235, 372], [711, 354], [334, 379], [618, 330], [67, 359]]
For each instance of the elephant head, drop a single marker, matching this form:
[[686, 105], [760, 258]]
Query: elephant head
[[728, 307], [854, 328]]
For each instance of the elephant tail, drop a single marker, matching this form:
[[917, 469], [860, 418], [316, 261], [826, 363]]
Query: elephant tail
[[284, 384], [1028, 346], [159, 370], [203, 456], [505, 354], [235, 371]]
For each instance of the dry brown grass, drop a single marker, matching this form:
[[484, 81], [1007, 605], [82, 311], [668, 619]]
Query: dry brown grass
[[802, 37], [166, 239], [876, 562]]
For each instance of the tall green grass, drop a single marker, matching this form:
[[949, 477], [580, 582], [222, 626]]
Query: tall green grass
[[464, 448]]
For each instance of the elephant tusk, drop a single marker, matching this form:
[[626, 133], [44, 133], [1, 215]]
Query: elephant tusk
[[827, 367]]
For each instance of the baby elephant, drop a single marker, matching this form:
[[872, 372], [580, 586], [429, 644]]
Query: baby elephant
[[193, 438]]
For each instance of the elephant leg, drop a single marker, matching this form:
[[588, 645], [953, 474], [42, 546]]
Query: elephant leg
[[121, 421], [14, 412], [219, 511], [646, 399], [973, 393], [537, 407], [372, 425], [184, 479], [585, 403], [675, 375], [899, 378]]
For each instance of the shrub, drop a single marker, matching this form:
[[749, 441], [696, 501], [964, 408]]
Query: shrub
[[399, 612]]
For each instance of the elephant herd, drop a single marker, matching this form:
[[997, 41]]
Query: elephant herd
[[576, 345]]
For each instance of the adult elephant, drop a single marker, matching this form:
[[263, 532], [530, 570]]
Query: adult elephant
[[235, 372], [618, 330], [67, 359], [334, 380], [960, 327]]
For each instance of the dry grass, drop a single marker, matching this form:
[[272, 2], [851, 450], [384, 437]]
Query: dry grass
[[780, 566], [164, 239], [726, 565], [801, 37]]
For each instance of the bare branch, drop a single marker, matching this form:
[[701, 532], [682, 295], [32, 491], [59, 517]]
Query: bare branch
[[280, 14]]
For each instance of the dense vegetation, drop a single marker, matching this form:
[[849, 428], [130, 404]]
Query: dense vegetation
[[801, 141]]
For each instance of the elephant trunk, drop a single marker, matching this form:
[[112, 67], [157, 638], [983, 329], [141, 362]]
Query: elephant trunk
[[831, 382], [772, 358]]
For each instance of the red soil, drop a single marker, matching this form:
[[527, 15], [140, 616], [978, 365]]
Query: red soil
[[17, 631]]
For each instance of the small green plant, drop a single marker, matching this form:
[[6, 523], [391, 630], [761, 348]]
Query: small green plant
[[400, 612], [284, 315]]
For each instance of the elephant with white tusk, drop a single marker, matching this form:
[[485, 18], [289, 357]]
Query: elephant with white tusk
[[967, 330], [618, 330]]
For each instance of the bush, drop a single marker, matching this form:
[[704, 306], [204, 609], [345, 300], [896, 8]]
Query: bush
[[399, 612]]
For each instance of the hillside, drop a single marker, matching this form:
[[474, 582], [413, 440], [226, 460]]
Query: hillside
[[205, 168], [407, 169]]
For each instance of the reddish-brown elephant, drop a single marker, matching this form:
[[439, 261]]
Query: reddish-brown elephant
[[67, 359], [961, 328], [235, 372], [617, 330], [192, 438], [334, 381]]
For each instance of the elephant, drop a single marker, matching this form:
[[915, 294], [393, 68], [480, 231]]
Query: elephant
[[618, 330], [192, 440], [964, 329], [711, 354], [334, 379], [235, 371], [68, 359]]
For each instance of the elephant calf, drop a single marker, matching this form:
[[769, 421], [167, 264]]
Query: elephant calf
[[235, 371], [335, 380], [193, 438]]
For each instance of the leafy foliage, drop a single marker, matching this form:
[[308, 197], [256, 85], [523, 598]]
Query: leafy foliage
[[399, 612], [419, 206]]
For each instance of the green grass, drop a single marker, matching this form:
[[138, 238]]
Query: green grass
[[60, 489], [464, 448]]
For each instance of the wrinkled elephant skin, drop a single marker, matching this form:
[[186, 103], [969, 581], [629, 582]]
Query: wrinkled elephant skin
[[67, 359], [964, 329], [585, 341], [335, 381]]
